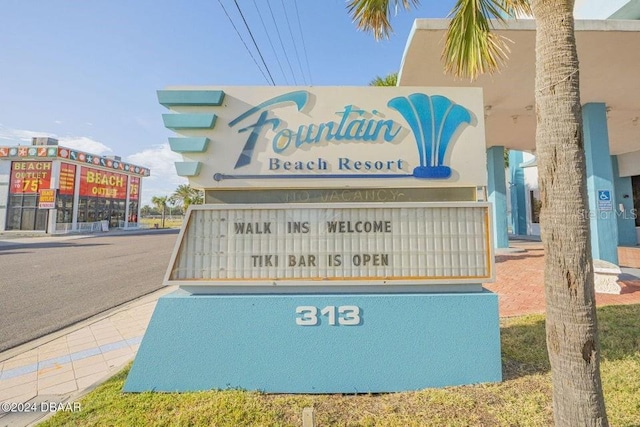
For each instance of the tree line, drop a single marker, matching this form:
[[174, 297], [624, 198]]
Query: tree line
[[180, 199]]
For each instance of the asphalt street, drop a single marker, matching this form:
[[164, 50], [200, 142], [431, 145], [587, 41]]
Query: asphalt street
[[48, 285]]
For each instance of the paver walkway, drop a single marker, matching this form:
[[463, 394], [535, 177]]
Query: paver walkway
[[520, 283]]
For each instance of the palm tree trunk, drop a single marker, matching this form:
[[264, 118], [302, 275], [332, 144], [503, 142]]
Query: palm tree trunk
[[571, 326]]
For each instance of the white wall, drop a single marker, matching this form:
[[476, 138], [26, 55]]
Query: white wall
[[531, 173], [629, 164]]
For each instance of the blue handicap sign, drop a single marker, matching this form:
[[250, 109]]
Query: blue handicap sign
[[604, 200], [604, 195]]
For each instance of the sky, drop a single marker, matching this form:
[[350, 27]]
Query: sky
[[87, 72]]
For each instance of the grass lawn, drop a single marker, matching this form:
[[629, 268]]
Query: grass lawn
[[522, 399], [173, 222]]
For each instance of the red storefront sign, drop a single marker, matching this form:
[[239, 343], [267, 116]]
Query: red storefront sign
[[67, 178], [134, 188], [29, 177], [98, 183]]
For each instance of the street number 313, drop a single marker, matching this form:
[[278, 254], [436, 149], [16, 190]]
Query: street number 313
[[345, 315]]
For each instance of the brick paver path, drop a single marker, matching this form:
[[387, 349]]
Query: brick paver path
[[520, 284]]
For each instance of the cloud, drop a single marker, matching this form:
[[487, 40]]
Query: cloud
[[164, 179], [10, 136], [84, 143]]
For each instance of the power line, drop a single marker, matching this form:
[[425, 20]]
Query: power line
[[304, 47], [281, 43], [271, 43], [242, 40], [254, 42], [293, 40]]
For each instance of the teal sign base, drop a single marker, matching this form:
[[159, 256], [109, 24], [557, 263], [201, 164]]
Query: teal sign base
[[338, 343]]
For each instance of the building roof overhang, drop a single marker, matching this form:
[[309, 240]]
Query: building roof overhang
[[609, 69], [58, 152]]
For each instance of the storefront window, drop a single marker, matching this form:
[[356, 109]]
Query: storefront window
[[117, 213], [133, 212], [82, 210], [91, 210], [27, 178], [64, 204], [134, 194], [30, 201], [102, 195], [96, 209], [102, 212], [41, 219], [15, 200], [14, 217]]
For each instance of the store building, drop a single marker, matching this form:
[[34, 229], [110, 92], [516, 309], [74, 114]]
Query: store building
[[47, 187]]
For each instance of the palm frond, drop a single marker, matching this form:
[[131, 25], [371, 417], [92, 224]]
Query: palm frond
[[388, 80], [471, 48], [373, 15], [516, 8]]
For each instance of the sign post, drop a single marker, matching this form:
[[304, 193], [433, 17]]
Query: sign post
[[342, 248]]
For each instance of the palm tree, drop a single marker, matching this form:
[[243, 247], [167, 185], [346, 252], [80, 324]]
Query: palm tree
[[198, 197], [388, 80], [186, 195], [471, 49], [160, 202], [145, 210]]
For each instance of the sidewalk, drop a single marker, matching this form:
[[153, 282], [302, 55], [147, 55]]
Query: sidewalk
[[65, 365], [31, 237]]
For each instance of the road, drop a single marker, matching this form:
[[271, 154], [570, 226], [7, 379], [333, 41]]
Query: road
[[51, 284]]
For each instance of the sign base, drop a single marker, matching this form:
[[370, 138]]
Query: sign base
[[338, 343]]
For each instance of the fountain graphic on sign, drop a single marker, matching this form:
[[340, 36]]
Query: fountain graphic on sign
[[433, 120]]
